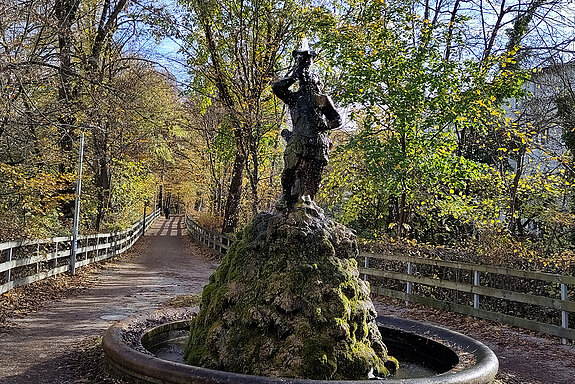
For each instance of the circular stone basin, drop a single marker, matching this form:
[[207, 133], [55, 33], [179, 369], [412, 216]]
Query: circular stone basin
[[168, 341], [145, 350]]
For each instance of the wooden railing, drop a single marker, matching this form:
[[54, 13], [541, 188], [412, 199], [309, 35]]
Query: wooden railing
[[214, 240], [536, 301], [24, 262]]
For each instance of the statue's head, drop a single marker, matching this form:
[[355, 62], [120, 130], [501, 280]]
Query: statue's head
[[304, 58]]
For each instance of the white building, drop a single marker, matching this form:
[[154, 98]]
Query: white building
[[536, 115]]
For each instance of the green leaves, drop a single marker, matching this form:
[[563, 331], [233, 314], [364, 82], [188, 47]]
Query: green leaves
[[433, 142]]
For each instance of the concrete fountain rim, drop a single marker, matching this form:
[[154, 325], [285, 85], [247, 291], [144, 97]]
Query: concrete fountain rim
[[129, 360]]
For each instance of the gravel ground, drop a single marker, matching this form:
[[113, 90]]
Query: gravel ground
[[50, 331]]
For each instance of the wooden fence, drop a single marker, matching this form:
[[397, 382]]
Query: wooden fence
[[24, 262], [537, 301], [218, 242]]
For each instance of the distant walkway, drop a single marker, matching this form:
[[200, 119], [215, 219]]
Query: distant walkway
[[161, 265]]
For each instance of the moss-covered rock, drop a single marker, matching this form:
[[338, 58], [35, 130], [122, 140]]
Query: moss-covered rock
[[287, 301]]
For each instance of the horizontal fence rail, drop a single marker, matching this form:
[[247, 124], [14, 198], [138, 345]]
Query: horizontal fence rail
[[26, 261], [218, 242], [537, 301]]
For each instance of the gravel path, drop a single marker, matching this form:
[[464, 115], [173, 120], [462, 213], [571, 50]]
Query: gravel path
[[40, 348], [59, 343]]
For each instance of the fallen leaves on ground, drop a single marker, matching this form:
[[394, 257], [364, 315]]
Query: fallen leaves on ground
[[21, 301]]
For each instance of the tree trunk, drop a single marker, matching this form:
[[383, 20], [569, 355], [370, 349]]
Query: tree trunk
[[234, 195], [402, 216], [514, 203], [494, 32], [65, 11], [449, 38], [103, 188], [253, 173]]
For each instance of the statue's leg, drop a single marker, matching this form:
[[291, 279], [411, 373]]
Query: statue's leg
[[290, 184], [288, 180], [315, 158], [312, 177]]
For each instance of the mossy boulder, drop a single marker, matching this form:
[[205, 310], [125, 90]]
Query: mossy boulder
[[287, 301]]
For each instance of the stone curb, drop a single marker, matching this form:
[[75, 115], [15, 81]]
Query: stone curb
[[140, 367]]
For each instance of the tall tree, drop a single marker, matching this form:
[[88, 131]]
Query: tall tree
[[234, 49], [64, 66], [414, 107]]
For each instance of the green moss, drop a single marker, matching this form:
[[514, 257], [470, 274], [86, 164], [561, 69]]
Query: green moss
[[283, 303], [360, 360], [195, 350], [391, 366], [247, 343], [319, 360]]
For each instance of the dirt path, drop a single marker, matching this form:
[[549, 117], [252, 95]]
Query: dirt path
[[49, 346], [39, 348]]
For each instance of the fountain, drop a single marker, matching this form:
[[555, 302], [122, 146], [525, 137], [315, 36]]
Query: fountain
[[149, 348], [287, 305]]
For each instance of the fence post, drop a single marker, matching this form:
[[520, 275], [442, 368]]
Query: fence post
[[38, 255], [9, 270], [76, 222], [564, 314], [475, 295], [55, 260], [144, 221], [408, 285]]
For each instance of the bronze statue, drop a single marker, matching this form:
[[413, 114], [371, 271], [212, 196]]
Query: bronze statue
[[312, 114]]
